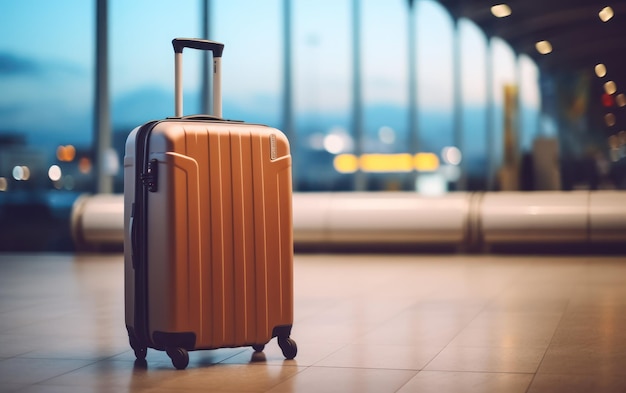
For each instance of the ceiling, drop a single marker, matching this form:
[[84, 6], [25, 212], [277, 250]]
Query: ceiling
[[579, 39]]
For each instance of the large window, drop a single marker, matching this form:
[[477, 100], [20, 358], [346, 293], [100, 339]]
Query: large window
[[141, 64], [252, 64], [357, 111], [474, 97], [322, 97], [46, 112], [385, 90]]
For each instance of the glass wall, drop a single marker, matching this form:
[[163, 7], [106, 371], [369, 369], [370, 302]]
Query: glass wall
[[385, 70], [47, 85], [473, 57], [322, 92], [141, 65], [46, 111]]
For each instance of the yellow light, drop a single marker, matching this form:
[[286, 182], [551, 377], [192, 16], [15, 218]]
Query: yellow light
[[620, 99], [25, 172], [610, 87], [426, 162], [4, 184], [346, 163], [544, 47], [600, 70], [501, 10], [606, 14], [386, 163]]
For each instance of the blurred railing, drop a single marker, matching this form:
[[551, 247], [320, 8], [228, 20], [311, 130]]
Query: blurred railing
[[462, 221]]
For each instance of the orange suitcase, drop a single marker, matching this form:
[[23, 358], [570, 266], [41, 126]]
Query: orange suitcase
[[208, 249]]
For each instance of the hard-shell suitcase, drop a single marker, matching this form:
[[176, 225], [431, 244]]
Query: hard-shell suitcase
[[208, 248]]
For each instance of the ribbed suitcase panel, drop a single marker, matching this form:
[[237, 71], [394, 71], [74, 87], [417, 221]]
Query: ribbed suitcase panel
[[226, 269], [243, 236]]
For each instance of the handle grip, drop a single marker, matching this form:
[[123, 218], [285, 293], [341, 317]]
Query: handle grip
[[217, 48], [194, 43]]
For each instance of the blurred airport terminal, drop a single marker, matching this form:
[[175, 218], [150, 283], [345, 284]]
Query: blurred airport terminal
[[457, 123], [459, 207]]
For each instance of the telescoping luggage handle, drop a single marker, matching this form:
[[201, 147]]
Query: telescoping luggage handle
[[194, 43]]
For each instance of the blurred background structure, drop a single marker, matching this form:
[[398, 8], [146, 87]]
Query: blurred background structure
[[447, 99]]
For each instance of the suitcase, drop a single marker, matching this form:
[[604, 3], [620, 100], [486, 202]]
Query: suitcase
[[208, 246]]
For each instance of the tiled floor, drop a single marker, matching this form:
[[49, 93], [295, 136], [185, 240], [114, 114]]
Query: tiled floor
[[364, 323]]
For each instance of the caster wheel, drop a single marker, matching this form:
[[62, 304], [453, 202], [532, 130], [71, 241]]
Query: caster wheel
[[288, 346], [140, 350], [258, 347], [179, 356], [140, 353]]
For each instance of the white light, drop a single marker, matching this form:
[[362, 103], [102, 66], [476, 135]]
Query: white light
[[501, 10], [387, 135], [334, 143], [606, 14], [337, 141], [610, 87], [431, 184], [600, 70], [451, 155], [18, 172], [544, 47], [54, 173]]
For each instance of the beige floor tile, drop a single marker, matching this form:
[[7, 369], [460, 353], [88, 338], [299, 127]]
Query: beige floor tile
[[572, 383], [231, 378], [29, 371], [121, 375], [584, 360], [487, 323], [418, 329], [345, 380], [398, 357], [509, 329], [487, 359], [467, 382]]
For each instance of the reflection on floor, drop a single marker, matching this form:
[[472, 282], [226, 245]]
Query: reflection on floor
[[364, 323]]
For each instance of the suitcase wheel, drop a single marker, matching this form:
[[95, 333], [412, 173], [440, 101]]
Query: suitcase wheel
[[288, 346], [140, 352], [258, 347], [179, 356]]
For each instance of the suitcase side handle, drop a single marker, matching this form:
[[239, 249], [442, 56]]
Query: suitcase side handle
[[217, 48]]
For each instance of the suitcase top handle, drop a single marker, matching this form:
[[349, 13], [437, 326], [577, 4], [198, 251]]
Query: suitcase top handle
[[194, 43]]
